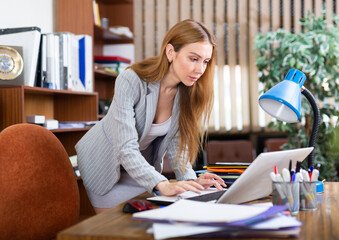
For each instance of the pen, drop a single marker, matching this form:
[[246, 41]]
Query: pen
[[286, 175], [318, 166], [293, 177], [290, 167], [305, 175], [315, 175], [275, 169], [288, 191], [297, 169]]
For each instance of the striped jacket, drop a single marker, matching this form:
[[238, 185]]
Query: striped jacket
[[114, 141]]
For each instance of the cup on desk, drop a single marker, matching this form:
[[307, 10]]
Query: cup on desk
[[308, 196], [286, 193]]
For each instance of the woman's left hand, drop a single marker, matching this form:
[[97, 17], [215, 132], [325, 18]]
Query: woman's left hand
[[209, 179]]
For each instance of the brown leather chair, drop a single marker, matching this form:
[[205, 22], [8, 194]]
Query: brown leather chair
[[229, 151], [39, 193], [274, 144]]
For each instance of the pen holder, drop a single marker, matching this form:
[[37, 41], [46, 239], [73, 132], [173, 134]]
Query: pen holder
[[308, 196], [286, 193]]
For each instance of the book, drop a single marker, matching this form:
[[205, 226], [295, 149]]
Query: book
[[85, 62], [96, 13], [111, 59]]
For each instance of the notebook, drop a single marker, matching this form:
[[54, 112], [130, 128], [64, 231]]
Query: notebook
[[253, 183]]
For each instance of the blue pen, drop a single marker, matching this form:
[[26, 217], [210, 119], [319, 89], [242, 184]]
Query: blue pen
[[293, 177]]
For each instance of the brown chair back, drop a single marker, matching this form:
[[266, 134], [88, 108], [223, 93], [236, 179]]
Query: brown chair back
[[275, 144], [229, 151], [39, 193]]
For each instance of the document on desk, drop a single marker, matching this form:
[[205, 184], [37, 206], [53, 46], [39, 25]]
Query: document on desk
[[277, 226], [205, 213]]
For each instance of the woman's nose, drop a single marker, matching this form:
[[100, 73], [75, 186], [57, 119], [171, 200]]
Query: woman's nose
[[200, 68]]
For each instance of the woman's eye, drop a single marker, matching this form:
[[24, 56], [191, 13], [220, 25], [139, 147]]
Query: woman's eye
[[207, 62], [194, 59]]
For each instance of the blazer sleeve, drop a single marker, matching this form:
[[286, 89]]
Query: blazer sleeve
[[120, 129]]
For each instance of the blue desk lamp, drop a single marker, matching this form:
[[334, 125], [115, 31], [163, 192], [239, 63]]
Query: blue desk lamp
[[283, 101]]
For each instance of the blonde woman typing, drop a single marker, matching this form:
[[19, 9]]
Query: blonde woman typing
[[160, 106]]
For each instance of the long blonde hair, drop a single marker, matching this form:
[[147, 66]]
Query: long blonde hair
[[196, 101]]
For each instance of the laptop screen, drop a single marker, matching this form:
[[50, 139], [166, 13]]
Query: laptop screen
[[255, 182]]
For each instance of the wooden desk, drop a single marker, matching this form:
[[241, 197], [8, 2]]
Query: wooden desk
[[114, 224]]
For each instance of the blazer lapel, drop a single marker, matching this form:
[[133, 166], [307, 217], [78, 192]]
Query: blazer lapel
[[151, 106]]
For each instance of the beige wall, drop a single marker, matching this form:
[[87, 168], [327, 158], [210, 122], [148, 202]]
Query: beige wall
[[27, 13]]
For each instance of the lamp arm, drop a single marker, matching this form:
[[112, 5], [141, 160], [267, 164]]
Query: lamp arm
[[316, 122]]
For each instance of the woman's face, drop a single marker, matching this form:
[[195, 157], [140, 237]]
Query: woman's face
[[190, 62]]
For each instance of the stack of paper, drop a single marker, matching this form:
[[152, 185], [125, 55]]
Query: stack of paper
[[192, 218], [229, 172], [113, 63]]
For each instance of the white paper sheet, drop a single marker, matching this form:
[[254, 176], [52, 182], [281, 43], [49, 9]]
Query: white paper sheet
[[201, 212], [167, 230]]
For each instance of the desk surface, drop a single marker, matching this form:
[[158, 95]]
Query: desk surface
[[114, 224]]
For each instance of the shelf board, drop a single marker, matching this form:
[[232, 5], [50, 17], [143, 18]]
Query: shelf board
[[101, 33], [117, 1], [103, 73], [61, 130], [47, 91]]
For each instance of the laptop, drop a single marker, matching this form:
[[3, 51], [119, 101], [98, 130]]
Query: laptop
[[252, 184]]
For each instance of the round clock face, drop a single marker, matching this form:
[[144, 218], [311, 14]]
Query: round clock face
[[11, 63]]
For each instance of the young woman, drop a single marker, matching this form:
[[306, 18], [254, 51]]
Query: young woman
[[160, 106]]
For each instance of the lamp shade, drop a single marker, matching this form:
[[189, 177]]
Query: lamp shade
[[283, 101]]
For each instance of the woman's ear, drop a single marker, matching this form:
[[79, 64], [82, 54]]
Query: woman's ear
[[169, 52]]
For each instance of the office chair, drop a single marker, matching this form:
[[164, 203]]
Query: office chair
[[39, 193], [275, 144], [229, 151]]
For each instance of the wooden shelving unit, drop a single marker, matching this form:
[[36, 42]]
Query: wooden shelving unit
[[76, 16], [16, 102]]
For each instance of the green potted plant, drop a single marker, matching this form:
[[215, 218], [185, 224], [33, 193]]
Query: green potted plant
[[314, 51]]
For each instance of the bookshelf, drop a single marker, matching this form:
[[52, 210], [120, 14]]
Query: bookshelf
[[77, 17], [16, 102]]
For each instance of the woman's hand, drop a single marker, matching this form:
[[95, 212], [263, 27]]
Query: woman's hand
[[172, 188], [209, 179]]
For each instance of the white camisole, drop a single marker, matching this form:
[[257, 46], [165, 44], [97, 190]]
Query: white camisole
[[156, 130]]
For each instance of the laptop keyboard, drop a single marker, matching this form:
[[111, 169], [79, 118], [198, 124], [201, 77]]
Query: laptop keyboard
[[208, 197]]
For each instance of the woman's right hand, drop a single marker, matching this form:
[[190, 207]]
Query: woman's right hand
[[173, 188]]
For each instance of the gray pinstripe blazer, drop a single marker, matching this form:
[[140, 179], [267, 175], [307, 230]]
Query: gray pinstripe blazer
[[114, 141]]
